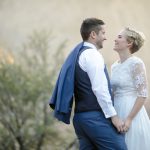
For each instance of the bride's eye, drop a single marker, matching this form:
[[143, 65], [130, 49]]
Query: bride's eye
[[119, 36]]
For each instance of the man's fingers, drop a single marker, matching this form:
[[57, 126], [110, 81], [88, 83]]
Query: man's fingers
[[121, 128]]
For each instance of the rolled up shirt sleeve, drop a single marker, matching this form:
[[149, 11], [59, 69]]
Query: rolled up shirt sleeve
[[92, 62]]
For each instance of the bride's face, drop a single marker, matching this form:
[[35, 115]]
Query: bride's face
[[121, 42]]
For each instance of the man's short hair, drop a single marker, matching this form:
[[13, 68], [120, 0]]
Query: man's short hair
[[89, 25]]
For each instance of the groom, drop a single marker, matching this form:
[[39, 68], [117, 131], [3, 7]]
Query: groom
[[85, 76]]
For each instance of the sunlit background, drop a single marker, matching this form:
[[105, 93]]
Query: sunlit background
[[61, 19]]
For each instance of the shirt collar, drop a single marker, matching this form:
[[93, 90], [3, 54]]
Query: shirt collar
[[89, 45]]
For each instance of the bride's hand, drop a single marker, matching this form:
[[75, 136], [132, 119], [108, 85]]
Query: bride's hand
[[118, 123], [127, 124]]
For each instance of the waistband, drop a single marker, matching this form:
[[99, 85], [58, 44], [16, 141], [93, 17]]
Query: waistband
[[90, 114]]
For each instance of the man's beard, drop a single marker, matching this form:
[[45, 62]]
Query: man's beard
[[99, 45]]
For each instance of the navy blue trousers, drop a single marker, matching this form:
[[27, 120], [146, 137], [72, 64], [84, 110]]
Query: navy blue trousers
[[95, 132]]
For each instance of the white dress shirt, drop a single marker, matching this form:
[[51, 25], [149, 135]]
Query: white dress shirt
[[92, 62]]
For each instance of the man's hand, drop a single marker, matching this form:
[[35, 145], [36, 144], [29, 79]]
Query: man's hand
[[118, 123]]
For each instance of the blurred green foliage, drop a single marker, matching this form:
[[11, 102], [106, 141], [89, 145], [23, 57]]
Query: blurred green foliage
[[26, 82]]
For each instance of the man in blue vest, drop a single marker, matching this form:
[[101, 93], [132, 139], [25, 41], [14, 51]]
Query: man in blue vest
[[95, 116], [85, 76]]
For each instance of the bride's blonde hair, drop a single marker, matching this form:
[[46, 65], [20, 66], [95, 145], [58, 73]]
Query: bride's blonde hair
[[136, 38]]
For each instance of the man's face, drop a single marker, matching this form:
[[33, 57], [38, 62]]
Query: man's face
[[100, 37]]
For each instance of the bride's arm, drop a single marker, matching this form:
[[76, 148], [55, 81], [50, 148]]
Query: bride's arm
[[140, 81], [136, 108]]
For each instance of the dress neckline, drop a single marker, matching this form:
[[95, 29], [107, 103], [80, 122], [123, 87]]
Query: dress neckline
[[119, 62]]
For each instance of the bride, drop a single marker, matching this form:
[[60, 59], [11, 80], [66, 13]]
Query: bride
[[129, 84]]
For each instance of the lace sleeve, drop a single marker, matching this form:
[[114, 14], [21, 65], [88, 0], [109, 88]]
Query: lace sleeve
[[140, 80]]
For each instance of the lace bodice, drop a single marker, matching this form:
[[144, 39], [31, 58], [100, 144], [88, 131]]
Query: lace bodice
[[129, 77]]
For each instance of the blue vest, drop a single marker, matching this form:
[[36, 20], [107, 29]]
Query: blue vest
[[85, 99], [62, 96]]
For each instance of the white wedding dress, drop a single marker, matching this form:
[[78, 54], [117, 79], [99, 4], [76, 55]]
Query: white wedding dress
[[128, 81]]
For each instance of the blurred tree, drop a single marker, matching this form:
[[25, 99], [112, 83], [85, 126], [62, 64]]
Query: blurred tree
[[26, 81]]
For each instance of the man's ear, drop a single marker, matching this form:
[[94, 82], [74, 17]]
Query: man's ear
[[93, 34]]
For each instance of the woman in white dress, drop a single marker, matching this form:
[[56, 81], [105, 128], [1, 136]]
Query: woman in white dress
[[129, 84]]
